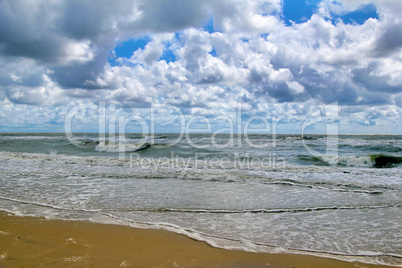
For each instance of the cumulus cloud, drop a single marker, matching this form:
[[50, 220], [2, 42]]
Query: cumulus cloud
[[55, 52], [389, 41], [390, 7]]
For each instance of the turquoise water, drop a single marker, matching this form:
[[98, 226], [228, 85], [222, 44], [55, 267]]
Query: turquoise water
[[287, 193]]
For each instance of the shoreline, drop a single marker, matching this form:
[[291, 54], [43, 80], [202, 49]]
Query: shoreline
[[33, 241]]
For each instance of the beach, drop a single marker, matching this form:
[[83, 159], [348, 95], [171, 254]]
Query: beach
[[38, 242], [255, 133], [277, 198]]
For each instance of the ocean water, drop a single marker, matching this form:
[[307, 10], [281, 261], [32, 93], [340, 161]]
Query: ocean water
[[339, 197]]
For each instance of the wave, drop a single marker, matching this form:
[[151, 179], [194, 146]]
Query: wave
[[29, 138], [206, 210], [88, 143], [389, 148], [372, 146], [322, 178], [376, 161], [216, 240], [335, 186], [299, 138], [242, 211], [118, 147], [363, 161], [160, 137], [385, 161]]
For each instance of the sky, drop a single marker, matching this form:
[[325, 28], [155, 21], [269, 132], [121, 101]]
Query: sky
[[285, 66]]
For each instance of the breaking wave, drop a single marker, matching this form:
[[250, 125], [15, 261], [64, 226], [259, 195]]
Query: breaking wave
[[115, 147], [376, 161]]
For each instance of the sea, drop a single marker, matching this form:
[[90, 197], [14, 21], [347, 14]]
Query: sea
[[334, 196]]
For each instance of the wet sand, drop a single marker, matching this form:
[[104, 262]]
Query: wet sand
[[37, 242]]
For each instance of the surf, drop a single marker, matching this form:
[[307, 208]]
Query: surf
[[375, 161]]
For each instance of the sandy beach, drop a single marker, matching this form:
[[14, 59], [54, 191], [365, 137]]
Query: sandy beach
[[38, 242]]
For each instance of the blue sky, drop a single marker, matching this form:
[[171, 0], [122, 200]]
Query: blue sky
[[277, 60], [293, 12]]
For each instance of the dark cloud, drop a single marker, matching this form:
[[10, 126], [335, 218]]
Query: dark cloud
[[52, 33], [372, 82], [280, 92], [389, 42], [257, 76], [82, 19], [43, 49], [168, 16], [46, 32], [212, 77], [398, 100], [25, 31], [77, 75]]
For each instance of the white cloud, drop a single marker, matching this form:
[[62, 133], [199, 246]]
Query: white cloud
[[79, 52], [246, 17], [296, 87], [344, 6], [48, 93], [152, 51], [54, 52]]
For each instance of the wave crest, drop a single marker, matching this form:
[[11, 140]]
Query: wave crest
[[118, 147], [377, 161]]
